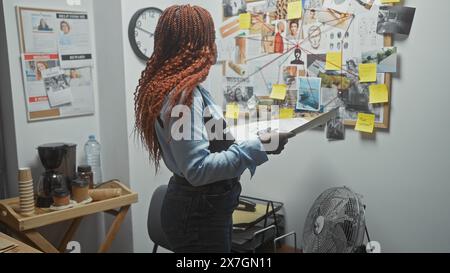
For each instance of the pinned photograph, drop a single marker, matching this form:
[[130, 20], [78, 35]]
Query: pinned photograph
[[293, 30], [42, 23], [233, 8], [240, 91], [290, 74], [280, 46], [39, 66], [329, 99], [395, 20], [57, 87], [309, 90], [336, 129], [386, 59], [298, 58], [78, 77], [335, 80], [316, 64], [357, 97]]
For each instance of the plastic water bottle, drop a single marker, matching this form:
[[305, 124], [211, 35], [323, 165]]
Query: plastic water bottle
[[92, 150]]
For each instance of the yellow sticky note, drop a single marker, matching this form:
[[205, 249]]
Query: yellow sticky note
[[334, 61], [389, 1], [294, 10], [378, 93], [286, 113], [278, 92], [245, 20], [365, 123], [368, 72], [232, 111]]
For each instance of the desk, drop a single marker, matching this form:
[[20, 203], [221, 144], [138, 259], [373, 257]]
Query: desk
[[21, 247], [26, 227]]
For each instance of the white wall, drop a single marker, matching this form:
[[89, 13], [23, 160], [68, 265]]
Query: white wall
[[403, 173], [23, 137]]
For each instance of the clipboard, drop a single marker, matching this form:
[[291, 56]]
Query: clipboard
[[243, 132], [318, 121]]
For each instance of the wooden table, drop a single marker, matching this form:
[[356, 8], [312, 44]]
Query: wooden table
[[20, 248], [26, 227]]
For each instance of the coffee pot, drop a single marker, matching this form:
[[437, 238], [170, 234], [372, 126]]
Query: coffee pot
[[57, 159]]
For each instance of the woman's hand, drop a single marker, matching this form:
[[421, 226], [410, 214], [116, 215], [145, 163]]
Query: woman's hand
[[274, 142]]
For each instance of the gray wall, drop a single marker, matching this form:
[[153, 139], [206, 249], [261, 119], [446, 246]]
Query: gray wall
[[6, 106], [112, 107], [404, 173]]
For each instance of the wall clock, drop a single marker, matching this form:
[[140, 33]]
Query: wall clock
[[141, 31]]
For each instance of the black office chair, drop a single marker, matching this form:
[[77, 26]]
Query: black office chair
[[154, 227]]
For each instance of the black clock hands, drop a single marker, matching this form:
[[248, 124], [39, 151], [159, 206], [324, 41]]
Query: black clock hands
[[146, 31]]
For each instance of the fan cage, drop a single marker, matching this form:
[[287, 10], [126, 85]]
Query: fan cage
[[344, 225]]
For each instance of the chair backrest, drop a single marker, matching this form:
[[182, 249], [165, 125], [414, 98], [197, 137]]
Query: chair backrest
[[154, 226]]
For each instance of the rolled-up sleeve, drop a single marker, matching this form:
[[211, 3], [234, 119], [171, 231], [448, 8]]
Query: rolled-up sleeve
[[200, 167]]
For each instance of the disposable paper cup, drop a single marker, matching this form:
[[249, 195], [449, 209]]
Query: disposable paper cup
[[25, 174], [23, 185], [27, 201], [27, 198], [28, 188], [28, 214], [27, 193]]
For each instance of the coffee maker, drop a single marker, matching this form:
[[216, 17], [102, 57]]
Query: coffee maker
[[58, 160]]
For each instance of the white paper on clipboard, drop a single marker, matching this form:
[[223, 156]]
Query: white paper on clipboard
[[296, 125]]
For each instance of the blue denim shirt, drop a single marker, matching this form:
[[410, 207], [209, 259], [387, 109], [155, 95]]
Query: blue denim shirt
[[191, 159]]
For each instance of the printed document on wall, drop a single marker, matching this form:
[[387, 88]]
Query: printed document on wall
[[74, 41], [52, 92], [39, 31], [57, 87], [33, 66]]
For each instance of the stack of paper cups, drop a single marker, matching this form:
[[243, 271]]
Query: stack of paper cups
[[26, 192]]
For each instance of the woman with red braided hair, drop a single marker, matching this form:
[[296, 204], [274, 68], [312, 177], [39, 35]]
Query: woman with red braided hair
[[196, 215]]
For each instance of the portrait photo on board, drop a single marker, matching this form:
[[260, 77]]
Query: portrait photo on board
[[395, 20]]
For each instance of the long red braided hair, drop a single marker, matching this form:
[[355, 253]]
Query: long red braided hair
[[183, 54]]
